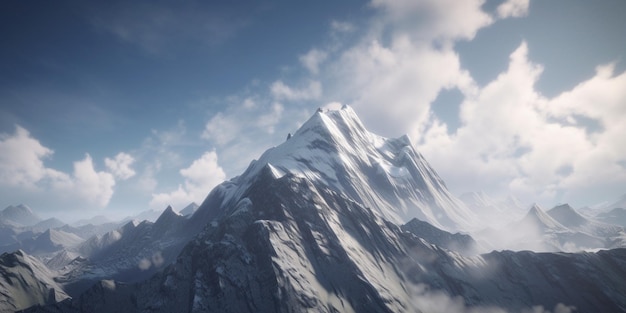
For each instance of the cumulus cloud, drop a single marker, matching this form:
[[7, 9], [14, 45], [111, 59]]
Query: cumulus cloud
[[311, 91], [22, 167], [200, 177], [21, 159], [392, 86], [513, 8], [120, 165], [517, 140], [441, 20], [406, 57], [511, 138], [91, 185]]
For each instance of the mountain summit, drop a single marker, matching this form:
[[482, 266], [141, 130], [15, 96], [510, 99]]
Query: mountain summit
[[334, 149]]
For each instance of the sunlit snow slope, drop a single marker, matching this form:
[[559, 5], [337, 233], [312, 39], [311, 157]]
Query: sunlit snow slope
[[334, 148]]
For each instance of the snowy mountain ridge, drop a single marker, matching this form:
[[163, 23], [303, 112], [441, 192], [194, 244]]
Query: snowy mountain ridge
[[334, 148]]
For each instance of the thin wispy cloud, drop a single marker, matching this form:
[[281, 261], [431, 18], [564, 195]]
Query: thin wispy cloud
[[159, 26]]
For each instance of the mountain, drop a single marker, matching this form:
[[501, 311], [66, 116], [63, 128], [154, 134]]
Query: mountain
[[570, 218], [61, 259], [8, 234], [462, 243], [616, 216], [89, 230], [334, 149], [24, 282], [50, 240], [46, 224], [618, 203], [567, 216], [536, 231], [560, 229], [20, 214], [148, 215], [492, 212], [480, 202], [96, 220], [538, 219], [290, 245], [611, 236], [312, 226], [190, 209], [132, 252]]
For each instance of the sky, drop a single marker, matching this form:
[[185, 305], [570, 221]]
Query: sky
[[116, 107]]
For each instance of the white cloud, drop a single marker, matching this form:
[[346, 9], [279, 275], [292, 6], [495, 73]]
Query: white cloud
[[312, 60], [91, 185], [120, 165], [146, 181], [268, 120], [21, 159], [221, 128], [341, 27], [404, 60], [513, 8], [311, 91], [224, 127], [22, 167], [441, 20], [200, 177], [248, 125], [513, 139], [391, 87]]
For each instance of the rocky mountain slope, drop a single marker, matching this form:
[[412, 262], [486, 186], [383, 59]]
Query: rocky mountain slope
[[24, 282]]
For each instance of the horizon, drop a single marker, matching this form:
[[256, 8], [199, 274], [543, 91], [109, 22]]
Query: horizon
[[121, 108]]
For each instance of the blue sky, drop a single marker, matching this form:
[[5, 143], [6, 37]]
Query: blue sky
[[116, 107]]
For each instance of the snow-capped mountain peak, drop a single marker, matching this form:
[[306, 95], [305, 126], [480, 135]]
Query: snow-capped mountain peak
[[567, 216], [334, 149], [537, 216], [20, 214]]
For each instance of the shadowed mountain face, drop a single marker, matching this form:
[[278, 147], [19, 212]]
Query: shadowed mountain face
[[310, 227]]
